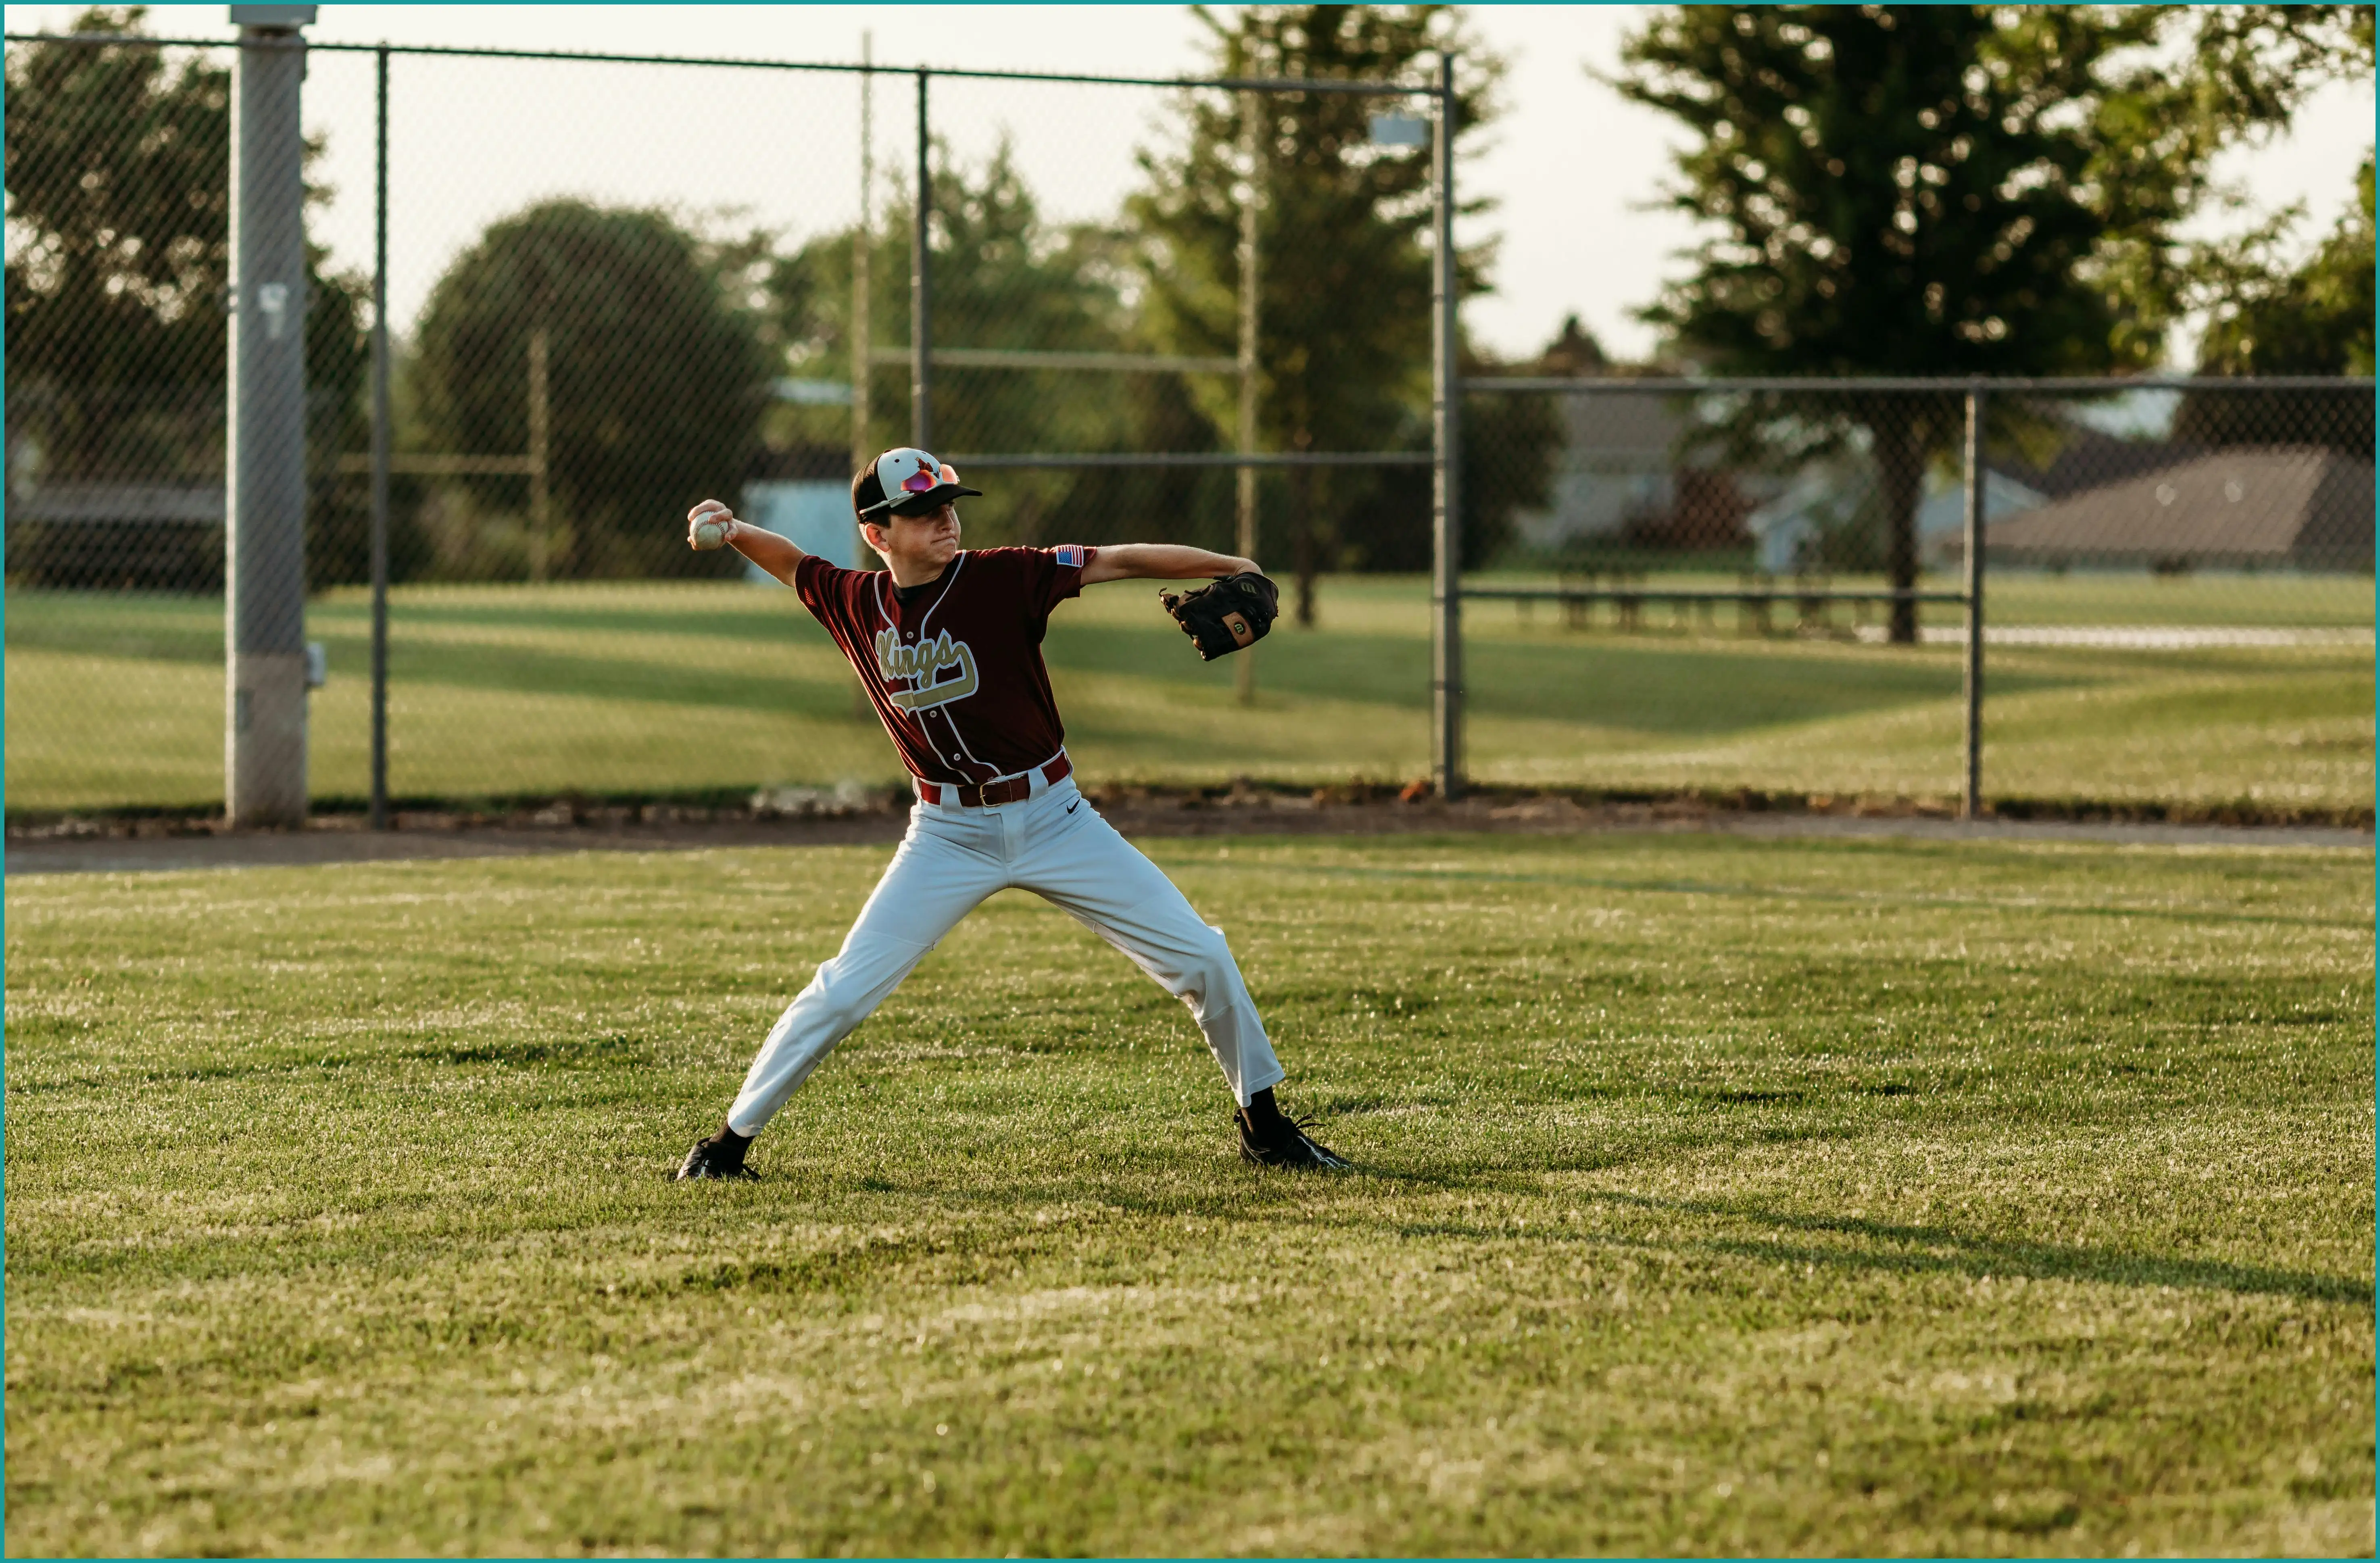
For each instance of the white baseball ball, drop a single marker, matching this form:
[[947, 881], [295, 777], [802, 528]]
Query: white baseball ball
[[711, 530]]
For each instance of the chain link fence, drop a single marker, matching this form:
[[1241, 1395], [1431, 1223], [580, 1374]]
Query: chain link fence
[[616, 287], [1764, 585], [661, 281]]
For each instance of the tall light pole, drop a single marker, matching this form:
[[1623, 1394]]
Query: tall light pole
[[380, 429], [1446, 509], [863, 339], [1970, 793], [921, 287], [264, 560], [863, 283]]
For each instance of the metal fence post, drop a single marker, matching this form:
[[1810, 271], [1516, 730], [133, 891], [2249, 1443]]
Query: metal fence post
[[540, 424], [1971, 801], [379, 458], [863, 239], [921, 290], [1252, 108], [264, 564], [863, 321], [1446, 517]]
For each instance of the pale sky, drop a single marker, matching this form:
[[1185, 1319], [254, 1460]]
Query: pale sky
[[1573, 168]]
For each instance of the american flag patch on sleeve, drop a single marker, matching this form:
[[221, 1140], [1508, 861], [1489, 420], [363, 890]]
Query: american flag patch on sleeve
[[1070, 556]]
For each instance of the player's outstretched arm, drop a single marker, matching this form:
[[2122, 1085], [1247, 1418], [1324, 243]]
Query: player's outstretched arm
[[711, 524], [1160, 561]]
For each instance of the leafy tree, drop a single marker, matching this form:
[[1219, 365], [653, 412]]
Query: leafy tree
[[2314, 318], [119, 175], [2268, 316], [2249, 66], [1003, 278], [1343, 227], [1913, 189], [338, 420], [119, 179], [657, 375]]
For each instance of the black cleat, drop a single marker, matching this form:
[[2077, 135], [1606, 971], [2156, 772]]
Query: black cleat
[[1278, 1141], [721, 1156]]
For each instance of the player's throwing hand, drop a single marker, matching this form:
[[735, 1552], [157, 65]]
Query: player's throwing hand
[[710, 525]]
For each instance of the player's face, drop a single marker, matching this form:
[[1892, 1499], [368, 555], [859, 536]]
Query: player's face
[[920, 544]]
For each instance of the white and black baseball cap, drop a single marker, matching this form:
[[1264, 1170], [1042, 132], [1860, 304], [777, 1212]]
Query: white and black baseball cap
[[906, 481]]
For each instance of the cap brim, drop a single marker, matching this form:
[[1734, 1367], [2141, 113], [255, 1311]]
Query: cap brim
[[933, 499]]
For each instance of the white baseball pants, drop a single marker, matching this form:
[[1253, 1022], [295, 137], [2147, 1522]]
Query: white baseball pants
[[954, 858]]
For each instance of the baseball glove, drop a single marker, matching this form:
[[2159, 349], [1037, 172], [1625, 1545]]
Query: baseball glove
[[1226, 614]]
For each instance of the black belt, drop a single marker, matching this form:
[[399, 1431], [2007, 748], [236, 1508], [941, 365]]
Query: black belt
[[995, 793]]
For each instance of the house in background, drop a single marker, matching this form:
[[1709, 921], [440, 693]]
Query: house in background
[[1614, 466], [2248, 507], [1942, 514], [1789, 531], [2083, 495], [1618, 478], [2106, 502], [815, 514], [803, 492], [2086, 457]]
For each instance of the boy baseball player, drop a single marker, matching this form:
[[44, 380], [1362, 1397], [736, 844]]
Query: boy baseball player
[[947, 642]]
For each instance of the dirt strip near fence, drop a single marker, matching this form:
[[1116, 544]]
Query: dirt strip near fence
[[335, 840], [2140, 637]]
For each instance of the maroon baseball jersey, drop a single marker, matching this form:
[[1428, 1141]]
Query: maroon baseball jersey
[[955, 670]]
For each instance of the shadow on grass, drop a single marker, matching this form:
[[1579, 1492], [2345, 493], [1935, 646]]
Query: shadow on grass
[[550, 670], [1922, 1250], [2026, 904], [582, 1052], [1893, 1247], [1675, 691], [961, 1257], [1522, 1173]]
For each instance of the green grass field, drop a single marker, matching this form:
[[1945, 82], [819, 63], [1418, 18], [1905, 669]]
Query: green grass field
[[1716, 1195], [117, 700]]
